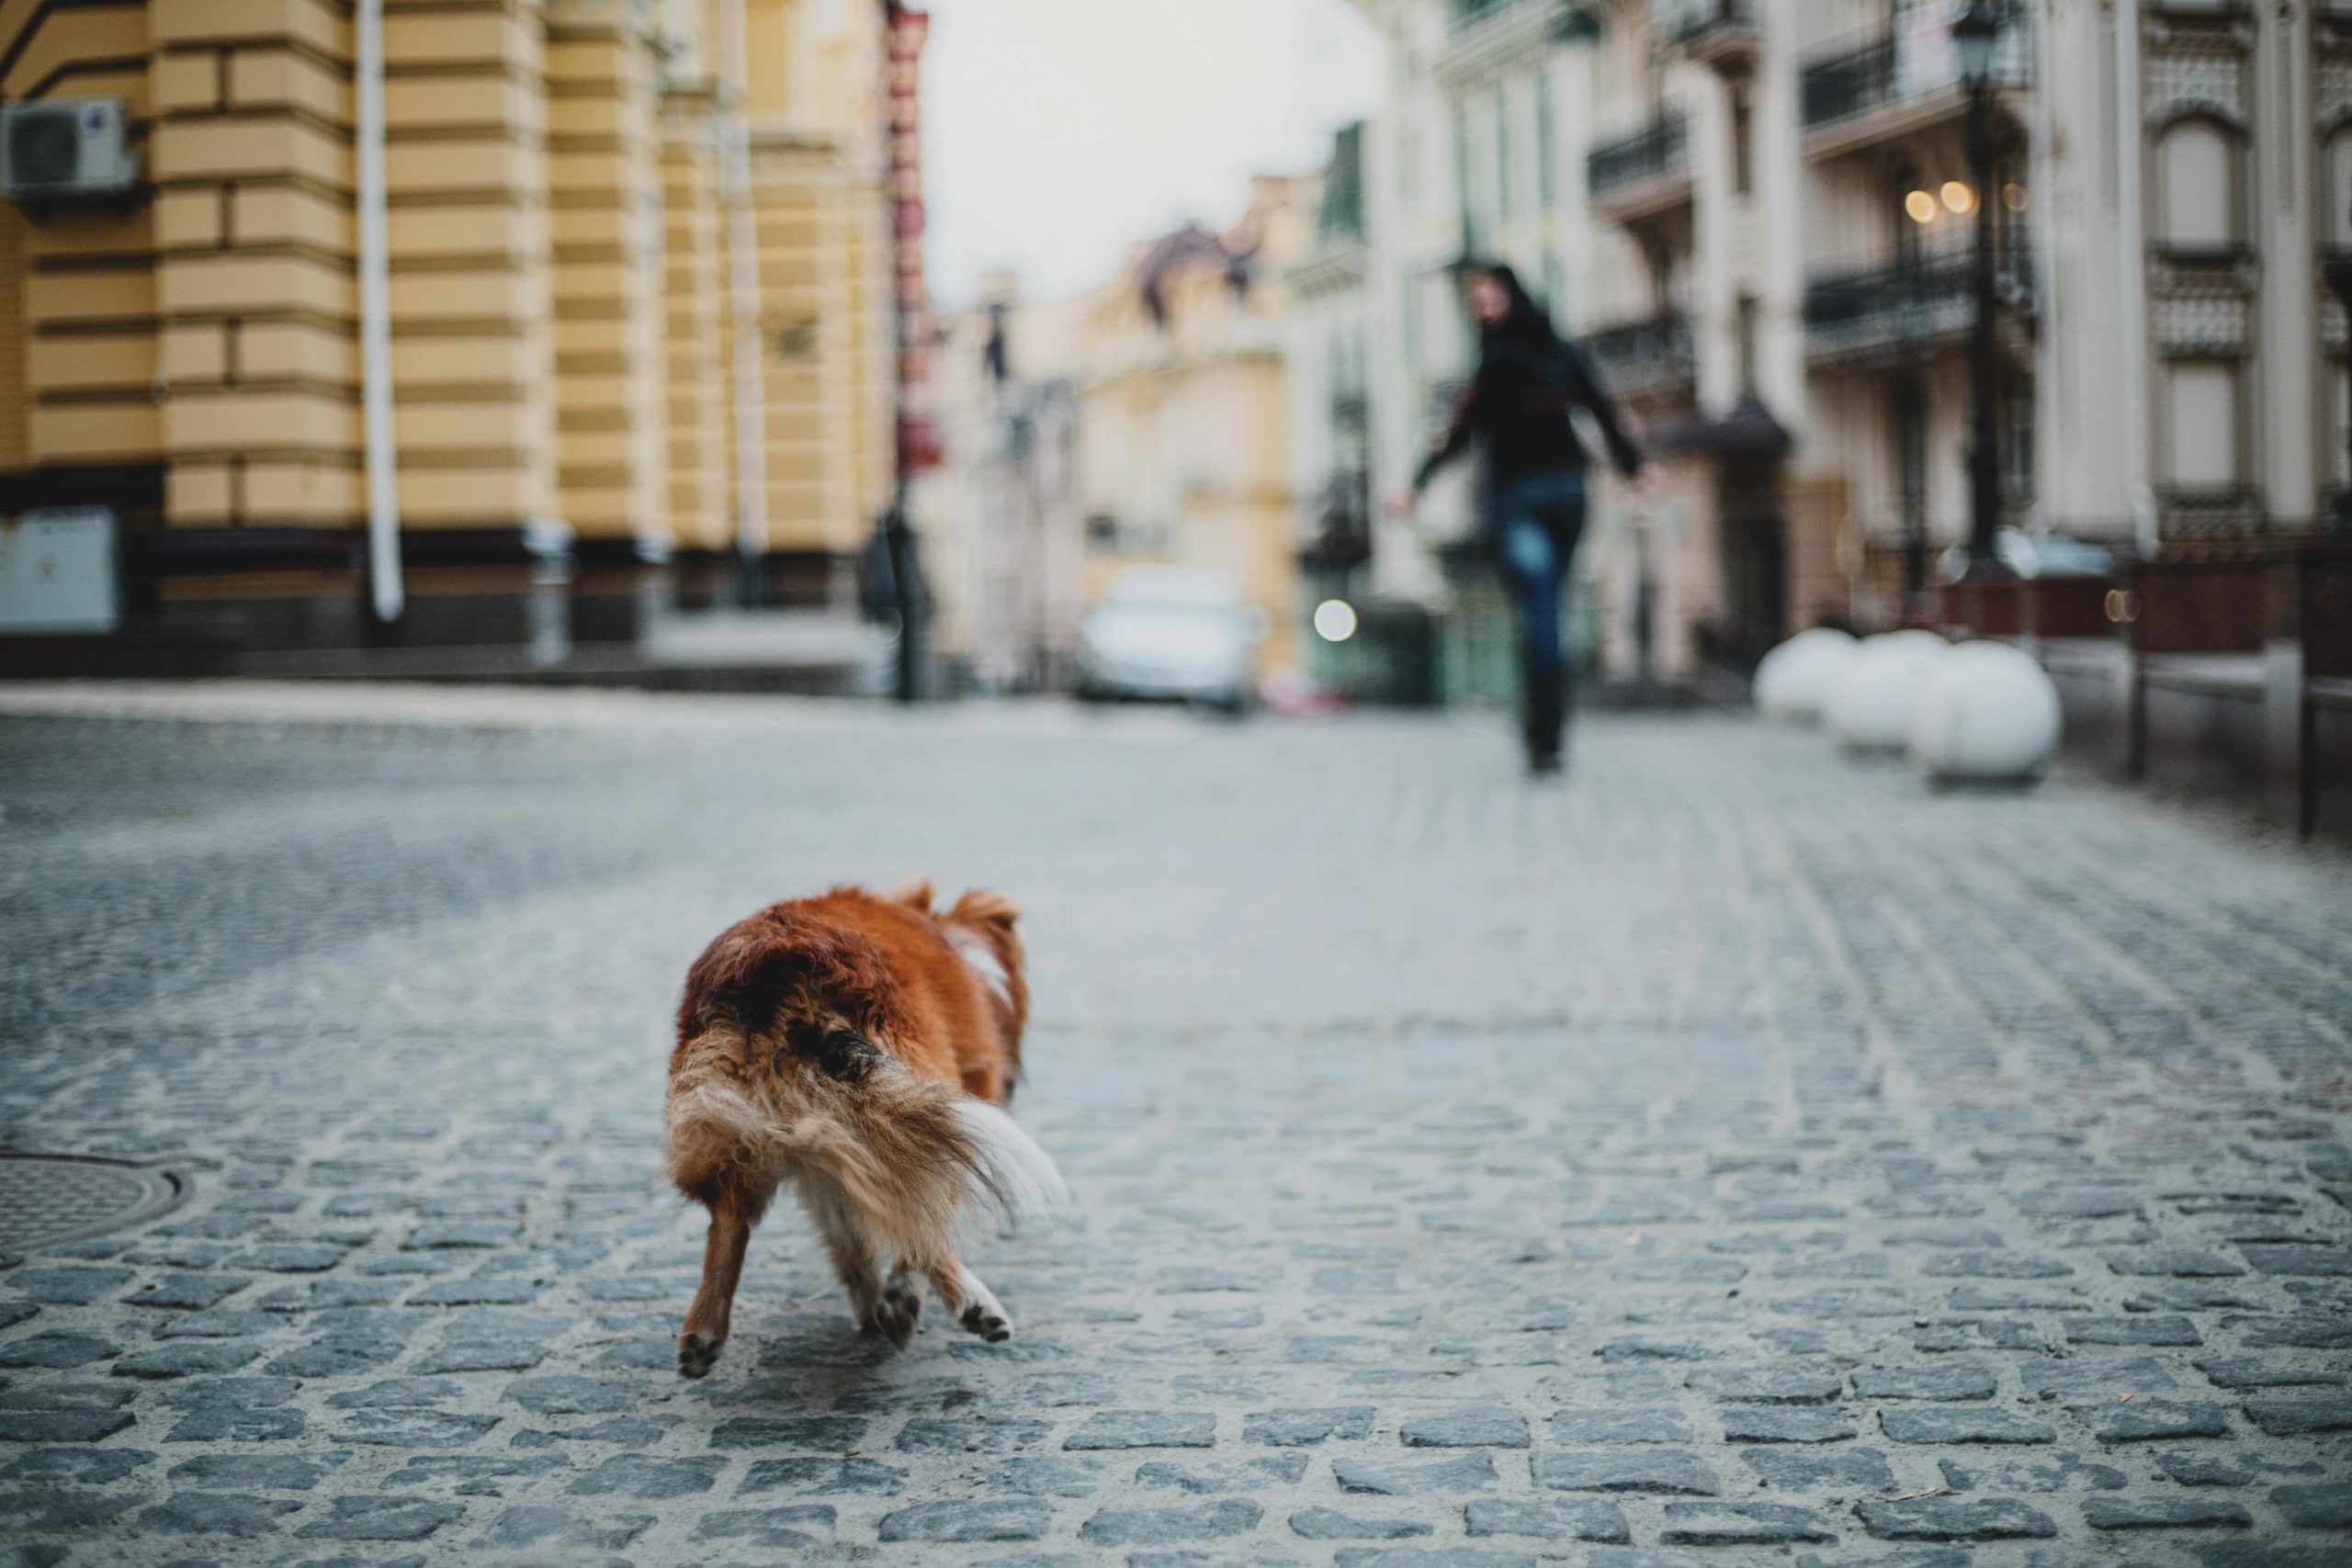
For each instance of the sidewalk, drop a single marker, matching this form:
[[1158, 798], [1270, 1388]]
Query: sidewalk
[[812, 653], [1733, 1150]]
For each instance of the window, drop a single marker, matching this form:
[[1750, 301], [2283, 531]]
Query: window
[[1502, 156], [1748, 309], [1911, 475], [1911, 450], [1742, 144], [2017, 441], [1461, 175], [1907, 227], [2202, 427], [2340, 460], [1657, 260], [1546, 179], [2336, 208], [2197, 184]]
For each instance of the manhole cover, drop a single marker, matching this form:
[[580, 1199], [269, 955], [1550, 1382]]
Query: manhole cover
[[46, 1198]]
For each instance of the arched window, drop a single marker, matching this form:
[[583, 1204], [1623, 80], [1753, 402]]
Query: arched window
[[2197, 184]]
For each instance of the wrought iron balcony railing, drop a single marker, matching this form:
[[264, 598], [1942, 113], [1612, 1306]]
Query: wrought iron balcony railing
[[1659, 150], [2210, 511], [1644, 358], [1470, 12], [1892, 308], [1688, 21], [1896, 68], [1846, 83]]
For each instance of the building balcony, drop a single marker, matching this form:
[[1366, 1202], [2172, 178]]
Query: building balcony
[[1653, 358], [1896, 312], [1891, 85], [1641, 174], [1721, 33], [2210, 511]]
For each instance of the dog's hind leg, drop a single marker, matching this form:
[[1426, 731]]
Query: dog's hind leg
[[970, 1302], [901, 1304], [722, 1269], [887, 1309]]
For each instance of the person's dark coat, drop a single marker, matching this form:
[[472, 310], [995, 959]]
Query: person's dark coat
[[1528, 380]]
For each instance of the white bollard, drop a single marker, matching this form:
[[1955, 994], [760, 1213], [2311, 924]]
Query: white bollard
[[1869, 705], [1988, 712], [1792, 682]]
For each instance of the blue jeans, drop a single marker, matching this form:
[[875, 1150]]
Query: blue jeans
[[1536, 521]]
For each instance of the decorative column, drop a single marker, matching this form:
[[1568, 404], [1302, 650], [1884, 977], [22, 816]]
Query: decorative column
[[604, 179], [465, 158], [693, 299]]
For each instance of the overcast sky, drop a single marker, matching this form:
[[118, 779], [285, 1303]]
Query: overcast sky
[[1056, 132]]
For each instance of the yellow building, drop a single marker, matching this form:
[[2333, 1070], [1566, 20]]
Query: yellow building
[[1183, 415], [189, 351]]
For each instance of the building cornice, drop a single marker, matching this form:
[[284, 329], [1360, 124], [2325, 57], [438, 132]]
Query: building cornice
[[1496, 45]]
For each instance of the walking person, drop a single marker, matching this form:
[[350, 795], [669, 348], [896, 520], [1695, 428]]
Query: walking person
[[1529, 378]]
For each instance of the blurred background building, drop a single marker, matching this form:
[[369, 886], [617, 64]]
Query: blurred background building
[[595, 213], [1003, 521], [1761, 214], [639, 260]]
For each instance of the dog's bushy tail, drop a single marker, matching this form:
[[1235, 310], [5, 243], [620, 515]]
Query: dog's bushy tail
[[912, 1157]]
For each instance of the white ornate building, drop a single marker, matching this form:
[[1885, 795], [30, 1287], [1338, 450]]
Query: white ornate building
[[1761, 214]]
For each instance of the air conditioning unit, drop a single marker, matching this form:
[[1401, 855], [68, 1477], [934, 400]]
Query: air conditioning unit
[[65, 150], [58, 571]]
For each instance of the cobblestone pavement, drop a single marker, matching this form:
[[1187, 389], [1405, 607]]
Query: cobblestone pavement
[[1733, 1155]]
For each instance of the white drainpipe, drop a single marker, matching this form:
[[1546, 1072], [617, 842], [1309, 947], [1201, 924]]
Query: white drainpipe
[[376, 323], [743, 290]]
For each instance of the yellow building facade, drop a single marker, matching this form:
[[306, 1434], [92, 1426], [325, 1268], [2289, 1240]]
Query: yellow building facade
[[1184, 410], [187, 351]]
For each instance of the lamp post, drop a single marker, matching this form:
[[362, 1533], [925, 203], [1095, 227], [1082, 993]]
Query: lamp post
[[2338, 273], [1974, 34]]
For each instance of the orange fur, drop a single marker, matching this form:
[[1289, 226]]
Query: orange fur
[[856, 1047]]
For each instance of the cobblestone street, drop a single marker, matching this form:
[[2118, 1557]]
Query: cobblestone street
[[1732, 1155]]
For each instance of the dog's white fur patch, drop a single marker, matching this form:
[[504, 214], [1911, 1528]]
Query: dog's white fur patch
[[1015, 1176], [974, 949]]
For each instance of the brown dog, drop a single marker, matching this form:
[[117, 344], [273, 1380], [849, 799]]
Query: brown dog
[[861, 1048]]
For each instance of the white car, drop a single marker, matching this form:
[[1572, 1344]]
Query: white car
[[1174, 633]]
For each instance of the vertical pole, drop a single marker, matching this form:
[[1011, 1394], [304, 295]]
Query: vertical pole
[[386, 589], [1983, 458], [743, 305]]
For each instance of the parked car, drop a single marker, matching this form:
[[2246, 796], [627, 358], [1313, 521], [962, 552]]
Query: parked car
[[1181, 633]]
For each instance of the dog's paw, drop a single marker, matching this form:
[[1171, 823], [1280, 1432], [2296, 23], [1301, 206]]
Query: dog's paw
[[894, 1315], [697, 1353], [987, 1319]]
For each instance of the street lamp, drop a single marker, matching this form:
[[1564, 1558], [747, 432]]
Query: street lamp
[[1974, 34]]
